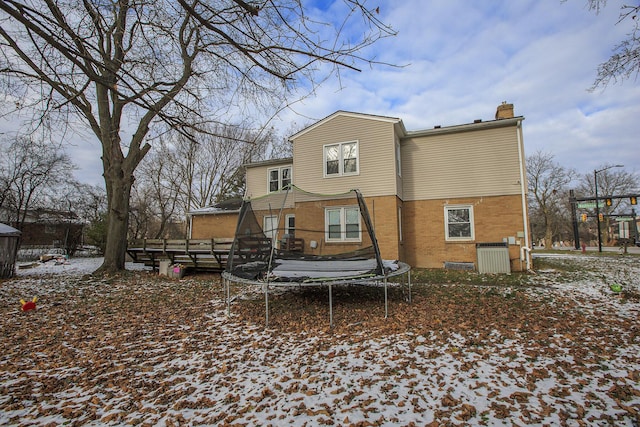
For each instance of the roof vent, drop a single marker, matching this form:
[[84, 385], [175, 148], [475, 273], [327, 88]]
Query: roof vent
[[477, 121], [437, 127]]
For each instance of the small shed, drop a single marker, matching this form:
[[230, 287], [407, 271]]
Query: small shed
[[9, 241]]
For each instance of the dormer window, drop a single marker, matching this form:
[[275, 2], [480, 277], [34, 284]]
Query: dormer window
[[279, 178], [341, 159]]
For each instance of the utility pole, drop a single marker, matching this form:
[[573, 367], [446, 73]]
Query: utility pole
[[574, 220], [595, 184]]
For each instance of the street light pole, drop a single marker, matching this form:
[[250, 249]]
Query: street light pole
[[595, 183]]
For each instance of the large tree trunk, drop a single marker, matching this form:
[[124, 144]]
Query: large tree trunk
[[118, 192], [118, 178], [548, 237]]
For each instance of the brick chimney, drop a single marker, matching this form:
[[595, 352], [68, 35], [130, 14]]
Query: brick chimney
[[504, 111]]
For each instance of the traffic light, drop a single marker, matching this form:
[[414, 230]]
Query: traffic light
[[600, 217], [584, 217], [608, 202], [634, 200]]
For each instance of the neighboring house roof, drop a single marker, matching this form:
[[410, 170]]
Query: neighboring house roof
[[226, 206], [6, 230], [393, 120], [44, 216]]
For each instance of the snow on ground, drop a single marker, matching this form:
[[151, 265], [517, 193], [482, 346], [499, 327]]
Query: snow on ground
[[66, 267], [154, 351]]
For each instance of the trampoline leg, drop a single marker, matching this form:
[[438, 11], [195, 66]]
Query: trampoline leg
[[386, 304], [266, 305], [227, 291], [409, 276], [330, 307]]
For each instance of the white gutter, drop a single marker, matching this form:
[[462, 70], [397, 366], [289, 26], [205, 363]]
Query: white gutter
[[527, 248]]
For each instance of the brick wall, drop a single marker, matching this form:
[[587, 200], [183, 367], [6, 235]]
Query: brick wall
[[423, 229], [214, 226], [495, 218], [384, 215]]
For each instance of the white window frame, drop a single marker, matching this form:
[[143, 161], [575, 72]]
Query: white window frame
[[343, 224], [341, 159], [446, 224], [280, 171], [270, 226], [288, 230]]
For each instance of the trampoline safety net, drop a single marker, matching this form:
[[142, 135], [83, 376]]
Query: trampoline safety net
[[297, 236]]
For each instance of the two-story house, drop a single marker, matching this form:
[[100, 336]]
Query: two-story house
[[436, 197]]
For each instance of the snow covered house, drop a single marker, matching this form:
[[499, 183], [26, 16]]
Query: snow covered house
[[445, 197]]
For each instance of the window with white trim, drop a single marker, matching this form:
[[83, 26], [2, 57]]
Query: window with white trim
[[342, 224], [279, 178], [458, 222], [341, 159], [290, 225]]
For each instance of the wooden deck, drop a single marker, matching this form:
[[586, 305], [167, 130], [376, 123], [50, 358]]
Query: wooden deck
[[205, 254], [198, 254]]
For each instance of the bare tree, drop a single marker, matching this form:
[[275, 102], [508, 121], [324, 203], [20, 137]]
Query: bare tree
[[213, 160], [548, 185], [185, 173], [625, 59], [84, 203], [155, 195], [27, 169], [130, 69]]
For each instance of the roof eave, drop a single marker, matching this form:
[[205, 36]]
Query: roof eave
[[271, 162], [345, 114], [492, 124], [213, 212]]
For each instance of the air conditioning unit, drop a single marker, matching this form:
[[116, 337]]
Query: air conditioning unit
[[493, 257]]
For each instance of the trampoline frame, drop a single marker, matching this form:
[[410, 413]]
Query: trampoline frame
[[403, 269]]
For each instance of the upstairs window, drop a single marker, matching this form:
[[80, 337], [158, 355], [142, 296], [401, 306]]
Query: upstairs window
[[341, 159], [279, 179], [458, 222], [342, 224]]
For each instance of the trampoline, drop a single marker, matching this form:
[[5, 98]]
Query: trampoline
[[294, 238]]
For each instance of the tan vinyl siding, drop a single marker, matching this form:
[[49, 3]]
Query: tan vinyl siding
[[376, 152], [258, 179], [466, 164]]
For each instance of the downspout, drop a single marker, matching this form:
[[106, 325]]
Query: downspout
[[527, 248]]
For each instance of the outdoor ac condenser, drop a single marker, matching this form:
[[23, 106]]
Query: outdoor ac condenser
[[493, 257]]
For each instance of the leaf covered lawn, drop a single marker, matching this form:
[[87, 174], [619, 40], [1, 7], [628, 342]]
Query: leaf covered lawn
[[139, 349]]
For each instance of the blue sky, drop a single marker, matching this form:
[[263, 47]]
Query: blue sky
[[465, 58], [458, 60]]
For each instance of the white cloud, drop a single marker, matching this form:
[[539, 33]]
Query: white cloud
[[465, 58], [461, 59]]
